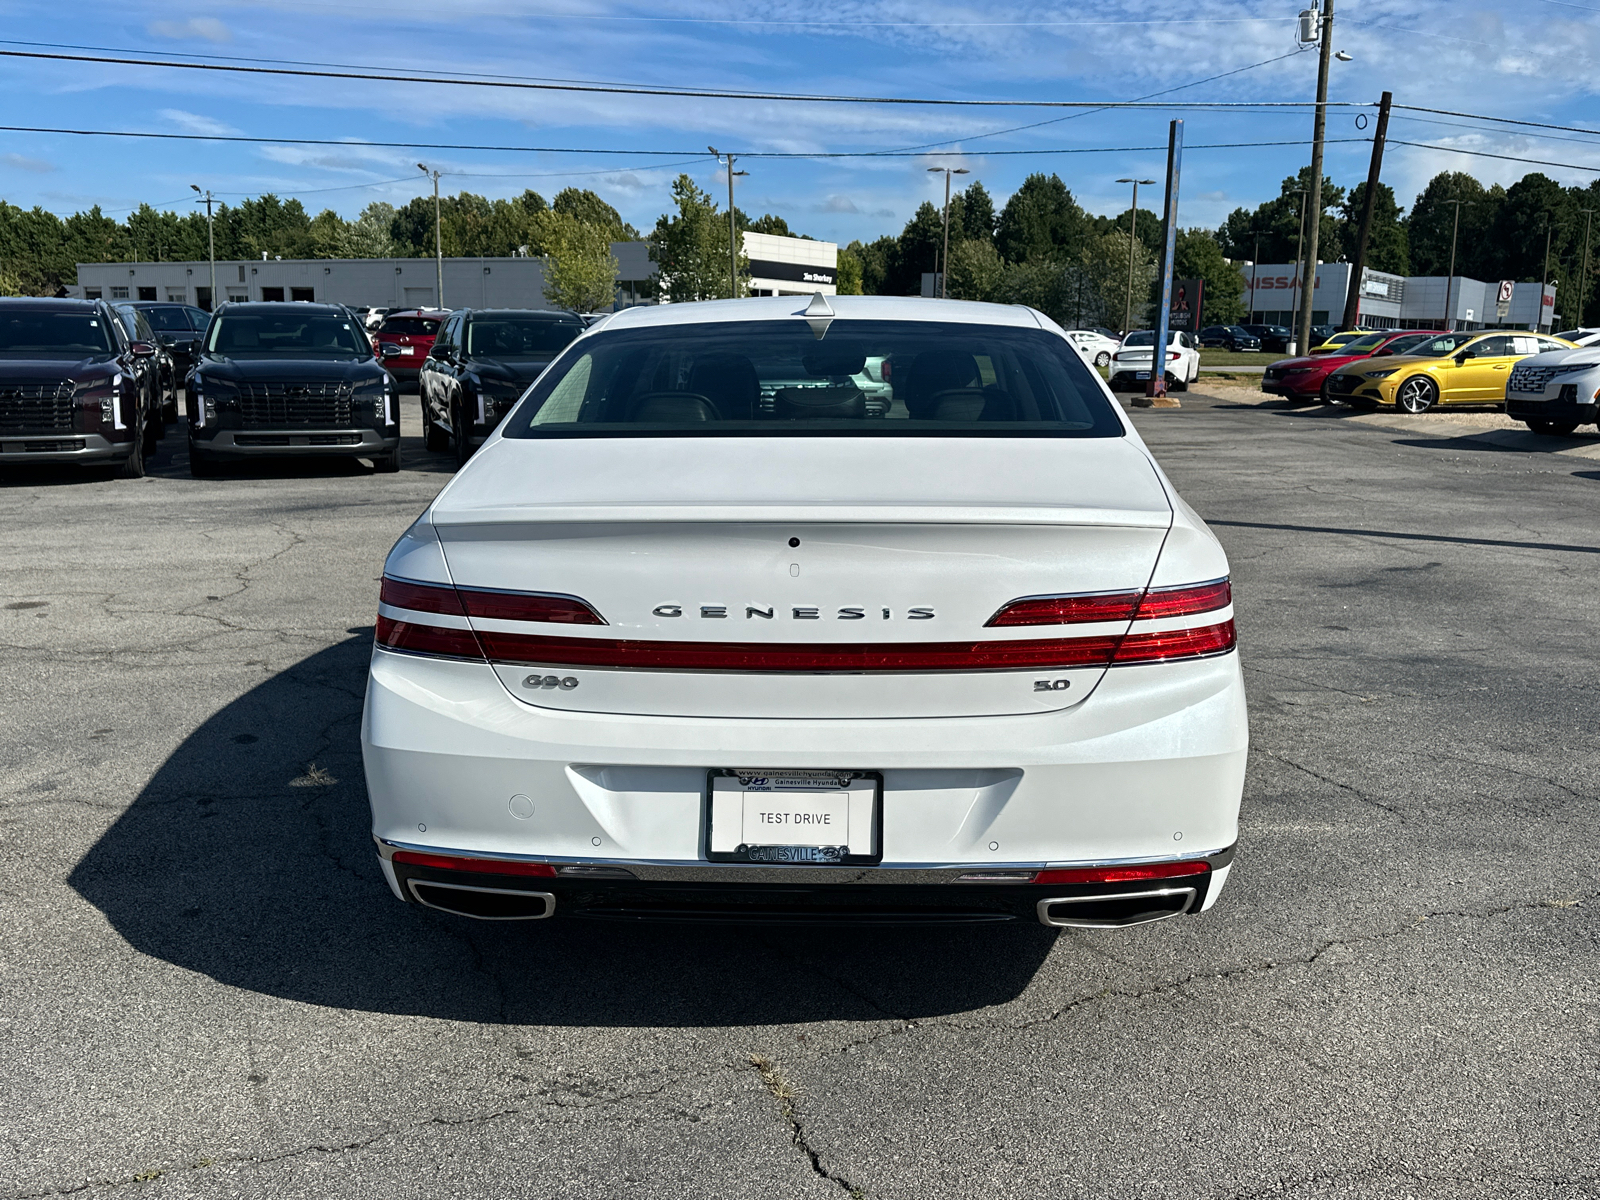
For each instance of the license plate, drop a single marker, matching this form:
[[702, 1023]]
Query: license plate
[[1141, 374], [773, 816], [408, 349]]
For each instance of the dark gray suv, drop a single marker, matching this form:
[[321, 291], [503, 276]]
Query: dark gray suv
[[289, 379]]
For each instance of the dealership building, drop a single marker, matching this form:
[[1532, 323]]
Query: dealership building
[[779, 266], [1272, 294]]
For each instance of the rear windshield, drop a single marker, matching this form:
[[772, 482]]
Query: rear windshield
[[519, 337], [410, 326], [53, 334], [775, 378], [1147, 337], [168, 319], [1405, 345], [1367, 341], [313, 335]]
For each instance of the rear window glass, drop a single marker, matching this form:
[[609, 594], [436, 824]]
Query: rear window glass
[[168, 319], [775, 378], [54, 334], [1438, 347], [411, 326], [518, 337]]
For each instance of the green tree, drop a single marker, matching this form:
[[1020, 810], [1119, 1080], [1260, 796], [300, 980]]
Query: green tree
[[976, 213], [1388, 247], [580, 272], [1428, 229], [368, 235], [690, 247], [587, 207], [916, 251], [848, 282], [874, 264], [1105, 264], [1276, 226], [773, 224], [1197, 256], [1041, 221], [975, 270]]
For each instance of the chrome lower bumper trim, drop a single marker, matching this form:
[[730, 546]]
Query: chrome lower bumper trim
[[96, 448], [296, 442]]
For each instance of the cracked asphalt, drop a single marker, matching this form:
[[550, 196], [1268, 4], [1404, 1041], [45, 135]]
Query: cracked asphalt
[[207, 991]]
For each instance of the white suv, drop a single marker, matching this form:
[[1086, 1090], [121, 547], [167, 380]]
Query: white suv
[[1555, 392], [668, 646]]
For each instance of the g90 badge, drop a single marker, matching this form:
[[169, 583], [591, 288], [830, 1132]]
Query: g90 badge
[[564, 683]]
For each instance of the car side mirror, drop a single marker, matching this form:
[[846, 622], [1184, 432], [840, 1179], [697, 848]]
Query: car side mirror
[[389, 350], [143, 350], [1461, 359]]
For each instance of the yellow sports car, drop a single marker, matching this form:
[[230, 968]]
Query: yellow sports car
[[1453, 368], [1337, 340]]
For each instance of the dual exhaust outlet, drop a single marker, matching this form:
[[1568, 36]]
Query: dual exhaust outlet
[[1106, 911]]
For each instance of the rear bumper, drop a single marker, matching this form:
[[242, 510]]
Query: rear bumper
[[1149, 768], [90, 449], [785, 895], [266, 443]]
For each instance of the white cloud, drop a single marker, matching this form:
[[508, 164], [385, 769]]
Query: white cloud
[[195, 29], [37, 166], [195, 123]]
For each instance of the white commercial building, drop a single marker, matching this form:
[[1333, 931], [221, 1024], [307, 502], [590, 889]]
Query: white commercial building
[[779, 266], [1272, 294]]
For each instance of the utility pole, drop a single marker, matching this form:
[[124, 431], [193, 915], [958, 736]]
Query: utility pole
[[211, 243], [1549, 224], [733, 233], [1308, 281], [942, 274], [1255, 260], [1358, 269], [1450, 275], [1294, 301], [1155, 394], [438, 236], [1583, 279], [1133, 224]]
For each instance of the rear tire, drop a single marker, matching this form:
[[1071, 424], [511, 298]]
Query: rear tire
[[1103, 359], [435, 439], [1553, 428], [1416, 395], [463, 436]]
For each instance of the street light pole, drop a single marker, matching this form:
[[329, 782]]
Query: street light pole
[[1583, 279], [1308, 281], [438, 237], [943, 275], [1450, 275], [211, 242], [733, 235], [1133, 224], [1255, 259]]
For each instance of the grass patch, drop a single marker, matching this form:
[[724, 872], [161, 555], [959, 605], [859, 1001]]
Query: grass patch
[[1237, 358]]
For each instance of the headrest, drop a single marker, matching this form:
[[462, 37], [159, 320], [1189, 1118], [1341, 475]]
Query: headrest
[[672, 408], [833, 403]]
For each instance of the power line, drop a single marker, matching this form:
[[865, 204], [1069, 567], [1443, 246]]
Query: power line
[[1592, 140], [1538, 162], [694, 93], [1445, 112], [690, 155]]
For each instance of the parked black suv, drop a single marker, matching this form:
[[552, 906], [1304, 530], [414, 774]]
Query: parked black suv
[[69, 387], [481, 362], [1231, 337], [178, 328], [153, 373], [1275, 338], [279, 379]]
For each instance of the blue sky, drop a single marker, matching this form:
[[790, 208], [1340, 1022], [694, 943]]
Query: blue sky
[[1534, 61]]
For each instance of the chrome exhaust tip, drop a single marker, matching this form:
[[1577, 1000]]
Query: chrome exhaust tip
[[482, 903], [1116, 910]]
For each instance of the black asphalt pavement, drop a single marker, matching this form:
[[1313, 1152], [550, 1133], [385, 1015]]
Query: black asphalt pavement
[[206, 990]]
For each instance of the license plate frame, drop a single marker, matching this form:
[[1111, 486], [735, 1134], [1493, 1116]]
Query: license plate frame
[[726, 789], [1141, 374]]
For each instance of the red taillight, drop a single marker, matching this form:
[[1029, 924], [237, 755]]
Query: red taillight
[[483, 866], [1185, 601], [427, 639], [1067, 610], [1176, 643], [529, 606], [421, 597], [790, 656], [1131, 873]]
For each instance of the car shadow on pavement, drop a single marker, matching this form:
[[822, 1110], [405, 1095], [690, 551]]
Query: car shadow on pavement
[[248, 858]]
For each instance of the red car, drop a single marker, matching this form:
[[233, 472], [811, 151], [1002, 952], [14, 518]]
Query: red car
[[1301, 379], [406, 338]]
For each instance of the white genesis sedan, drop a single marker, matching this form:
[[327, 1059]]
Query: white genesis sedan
[[702, 634]]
